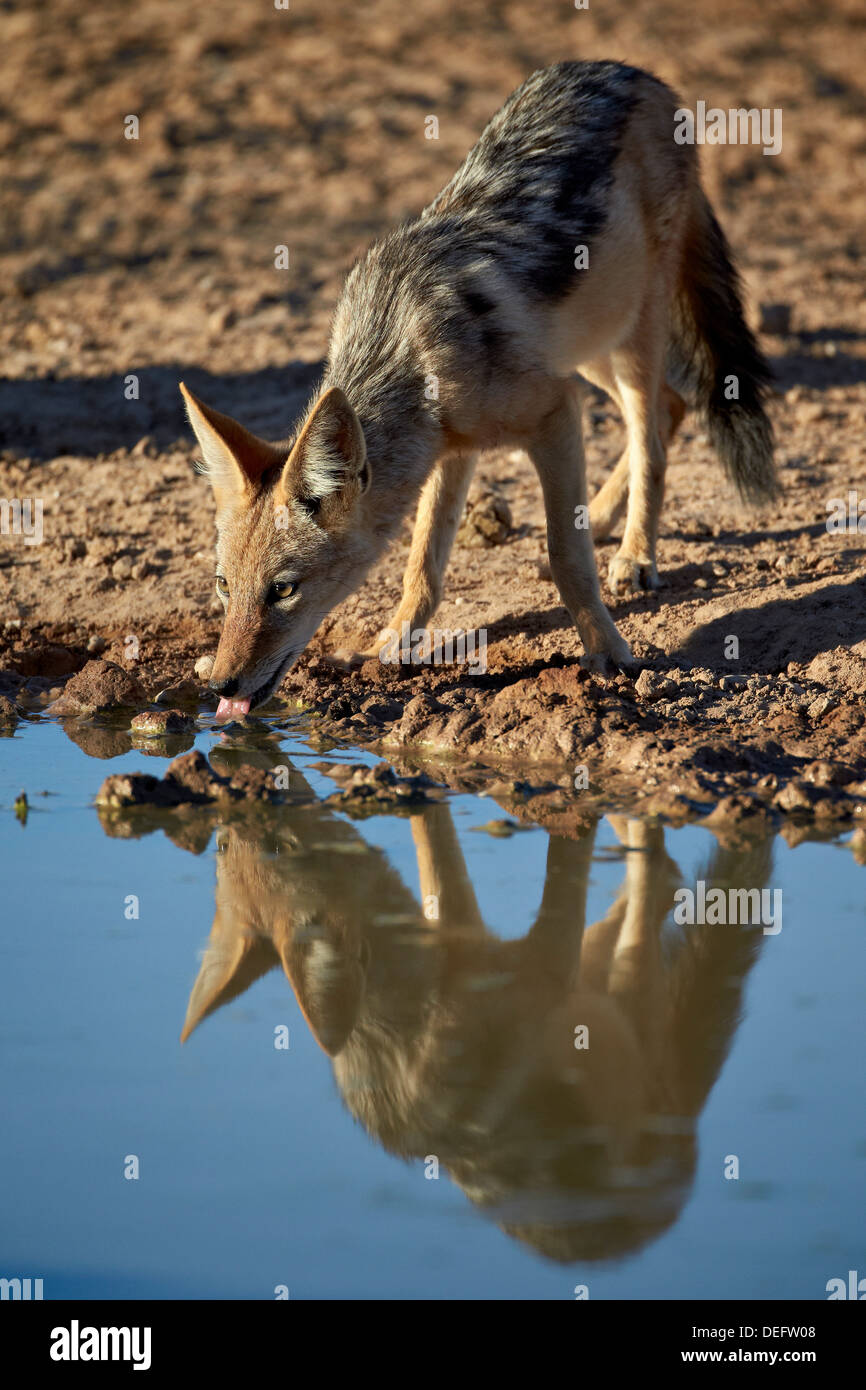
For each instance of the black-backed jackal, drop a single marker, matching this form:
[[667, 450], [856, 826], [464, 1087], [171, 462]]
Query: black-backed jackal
[[575, 236]]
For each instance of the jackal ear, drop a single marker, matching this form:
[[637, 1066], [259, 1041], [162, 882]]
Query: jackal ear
[[228, 968], [329, 985], [233, 459], [328, 467]]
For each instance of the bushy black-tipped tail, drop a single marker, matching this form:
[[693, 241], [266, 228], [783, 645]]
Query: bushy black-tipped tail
[[715, 361]]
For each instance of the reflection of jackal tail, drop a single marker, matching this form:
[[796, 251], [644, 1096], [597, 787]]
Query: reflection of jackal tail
[[715, 360]]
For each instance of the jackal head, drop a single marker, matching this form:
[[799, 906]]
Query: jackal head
[[290, 543]]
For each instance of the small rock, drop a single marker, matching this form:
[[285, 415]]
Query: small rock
[[650, 686], [823, 774], [122, 568], [381, 710], [823, 705], [795, 796], [99, 685], [203, 667], [96, 645], [501, 829], [159, 723], [8, 713], [487, 520]]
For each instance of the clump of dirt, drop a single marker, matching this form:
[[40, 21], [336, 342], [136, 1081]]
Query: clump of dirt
[[100, 685], [8, 713], [487, 519], [365, 791], [189, 780]]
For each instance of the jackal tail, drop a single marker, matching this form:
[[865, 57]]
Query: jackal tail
[[716, 362]]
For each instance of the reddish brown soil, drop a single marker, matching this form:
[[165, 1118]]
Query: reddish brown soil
[[306, 128]]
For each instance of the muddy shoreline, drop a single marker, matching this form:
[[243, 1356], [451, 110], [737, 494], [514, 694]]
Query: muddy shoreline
[[552, 744]]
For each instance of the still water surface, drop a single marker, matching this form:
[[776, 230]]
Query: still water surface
[[522, 1013]]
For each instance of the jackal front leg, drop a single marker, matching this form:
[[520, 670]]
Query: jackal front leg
[[557, 453], [440, 508]]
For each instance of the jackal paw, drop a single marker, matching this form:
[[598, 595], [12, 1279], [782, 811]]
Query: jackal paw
[[346, 658], [611, 663], [626, 575]]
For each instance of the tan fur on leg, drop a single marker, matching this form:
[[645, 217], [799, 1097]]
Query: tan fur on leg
[[557, 453], [440, 509]]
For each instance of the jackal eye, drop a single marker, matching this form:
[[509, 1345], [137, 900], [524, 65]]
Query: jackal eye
[[222, 586], [282, 588]]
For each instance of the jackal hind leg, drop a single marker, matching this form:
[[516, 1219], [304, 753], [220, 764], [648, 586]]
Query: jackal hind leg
[[609, 502], [638, 366], [556, 451]]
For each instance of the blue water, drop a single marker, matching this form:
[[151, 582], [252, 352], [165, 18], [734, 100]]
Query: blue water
[[253, 1173]]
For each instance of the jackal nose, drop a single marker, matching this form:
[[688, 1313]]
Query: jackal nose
[[226, 688]]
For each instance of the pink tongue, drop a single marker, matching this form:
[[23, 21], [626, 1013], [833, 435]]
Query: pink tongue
[[227, 708]]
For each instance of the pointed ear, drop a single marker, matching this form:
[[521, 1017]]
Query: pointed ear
[[228, 968], [329, 987], [233, 459], [328, 467]]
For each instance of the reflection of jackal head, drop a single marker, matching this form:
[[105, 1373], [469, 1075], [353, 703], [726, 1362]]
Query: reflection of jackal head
[[275, 906], [558, 1078]]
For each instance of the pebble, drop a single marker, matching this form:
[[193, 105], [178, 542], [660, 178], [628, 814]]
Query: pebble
[[158, 723]]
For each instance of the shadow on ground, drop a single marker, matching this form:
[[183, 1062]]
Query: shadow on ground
[[786, 629], [43, 418]]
